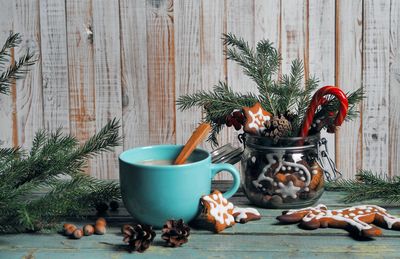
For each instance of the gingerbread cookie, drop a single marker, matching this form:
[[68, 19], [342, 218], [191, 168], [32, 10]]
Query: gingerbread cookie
[[218, 211], [256, 116], [244, 215], [357, 219]]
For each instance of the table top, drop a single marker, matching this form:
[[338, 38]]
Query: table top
[[264, 238]]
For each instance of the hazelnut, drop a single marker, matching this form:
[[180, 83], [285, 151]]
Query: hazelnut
[[69, 229], [101, 221], [100, 229], [88, 230], [77, 234]]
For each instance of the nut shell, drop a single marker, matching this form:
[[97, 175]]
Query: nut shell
[[77, 234], [100, 229], [69, 229], [101, 221], [88, 230]]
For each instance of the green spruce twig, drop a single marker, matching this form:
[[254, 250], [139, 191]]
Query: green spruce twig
[[368, 186], [52, 155], [13, 69]]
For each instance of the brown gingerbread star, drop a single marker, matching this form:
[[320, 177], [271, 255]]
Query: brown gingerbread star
[[256, 116]]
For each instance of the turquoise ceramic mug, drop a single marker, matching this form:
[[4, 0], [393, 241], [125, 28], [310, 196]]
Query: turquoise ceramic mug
[[154, 193]]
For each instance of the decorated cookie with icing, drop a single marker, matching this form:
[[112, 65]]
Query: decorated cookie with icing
[[357, 218], [255, 116], [218, 211], [244, 215]]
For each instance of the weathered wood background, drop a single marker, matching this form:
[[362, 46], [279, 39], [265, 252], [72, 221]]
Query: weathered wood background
[[101, 59]]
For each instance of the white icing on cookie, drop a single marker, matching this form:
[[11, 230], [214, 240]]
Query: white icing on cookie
[[258, 119], [243, 213], [321, 211], [288, 190], [219, 208]]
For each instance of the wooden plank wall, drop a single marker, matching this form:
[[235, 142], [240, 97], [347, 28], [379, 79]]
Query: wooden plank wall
[[131, 60]]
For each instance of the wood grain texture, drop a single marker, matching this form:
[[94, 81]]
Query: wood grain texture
[[135, 112], [54, 65], [320, 49], [29, 96], [293, 33], [107, 70], [255, 239], [187, 63], [348, 76], [213, 63], [161, 71], [81, 68], [6, 102], [394, 90], [131, 59], [376, 84], [267, 21]]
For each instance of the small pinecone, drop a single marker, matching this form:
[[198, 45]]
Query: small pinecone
[[139, 237], [277, 127], [176, 233]]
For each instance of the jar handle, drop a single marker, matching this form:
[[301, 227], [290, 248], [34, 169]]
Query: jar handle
[[323, 153]]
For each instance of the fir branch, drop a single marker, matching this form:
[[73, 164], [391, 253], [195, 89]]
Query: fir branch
[[368, 186], [285, 95], [18, 68], [52, 154], [12, 41]]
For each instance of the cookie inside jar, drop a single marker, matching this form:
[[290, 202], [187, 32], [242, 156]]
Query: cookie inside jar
[[282, 175]]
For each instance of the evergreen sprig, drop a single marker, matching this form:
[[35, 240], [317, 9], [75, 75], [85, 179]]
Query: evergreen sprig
[[13, 69], [52, 156], [368, 186], [287, 95]]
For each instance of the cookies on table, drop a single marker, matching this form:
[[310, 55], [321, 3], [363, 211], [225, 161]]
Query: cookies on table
[[356, 219], [256, 116], [218, 211], [244, 215]]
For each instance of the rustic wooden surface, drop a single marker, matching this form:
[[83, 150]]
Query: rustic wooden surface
[[258, 239], [132, 59]]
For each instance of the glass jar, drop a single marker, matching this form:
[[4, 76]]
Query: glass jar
[[282, 175]]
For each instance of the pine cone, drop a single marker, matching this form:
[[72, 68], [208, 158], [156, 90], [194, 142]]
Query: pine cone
[[277, 127], [176, 233], [139, 237]]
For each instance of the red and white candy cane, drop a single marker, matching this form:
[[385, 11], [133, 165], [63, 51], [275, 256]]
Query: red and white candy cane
[[319, 99]]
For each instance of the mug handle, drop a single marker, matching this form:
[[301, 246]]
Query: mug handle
[[216, 168]]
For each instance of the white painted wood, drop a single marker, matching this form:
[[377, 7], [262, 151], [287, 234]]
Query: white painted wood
[[376, 84], [107, 74], [54, 65], [267, 21], [187, 63], [320, 49], [134, 73], [80, 69], [394, 84], [212, 59], [293, 37], [147, 53], [29, 102], [6, 103], [349, 33], [161, 71]]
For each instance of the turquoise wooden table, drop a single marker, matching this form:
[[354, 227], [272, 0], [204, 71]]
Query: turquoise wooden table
[[258, 239]]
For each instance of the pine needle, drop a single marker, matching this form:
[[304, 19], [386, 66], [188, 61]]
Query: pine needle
[[287, 95], [368, 186], [17, 69], [52, 154]]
